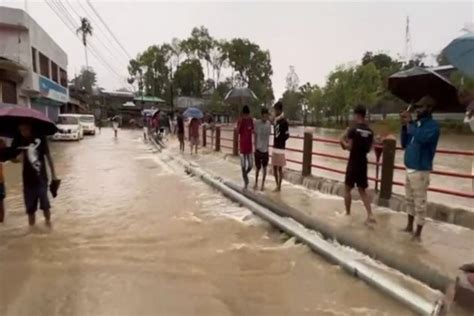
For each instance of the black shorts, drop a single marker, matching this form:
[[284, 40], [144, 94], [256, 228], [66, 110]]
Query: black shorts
[[2, 191], [357, 175], [36, 194], [261, 159]]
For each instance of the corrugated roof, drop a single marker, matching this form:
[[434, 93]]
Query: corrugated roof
[[149, 98]]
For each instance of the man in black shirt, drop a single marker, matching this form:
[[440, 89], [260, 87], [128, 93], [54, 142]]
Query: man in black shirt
[[35, 152], [281, 134], [358, 140]]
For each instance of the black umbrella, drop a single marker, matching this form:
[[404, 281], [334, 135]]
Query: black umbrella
[[413, 84], [12, 117]]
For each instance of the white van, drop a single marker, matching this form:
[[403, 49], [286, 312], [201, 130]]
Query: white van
[[88, 123], [69, 128]]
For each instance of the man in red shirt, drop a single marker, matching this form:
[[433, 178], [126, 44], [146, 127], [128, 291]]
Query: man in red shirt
[[245, 128]]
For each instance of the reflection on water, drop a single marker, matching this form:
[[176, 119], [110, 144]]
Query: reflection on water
[[135, 236]]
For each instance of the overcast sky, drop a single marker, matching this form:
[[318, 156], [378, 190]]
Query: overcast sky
[[314, 36]]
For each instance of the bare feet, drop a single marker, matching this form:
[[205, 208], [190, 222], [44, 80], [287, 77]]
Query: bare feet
[[370, 220], [255, 187], [416, 238], [262, 188], [407, 230]]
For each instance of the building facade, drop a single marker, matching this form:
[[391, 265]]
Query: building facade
[[33, 68]]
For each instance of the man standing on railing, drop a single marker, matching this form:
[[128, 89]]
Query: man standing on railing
[[358, 140], [420, 139], [281, 134]]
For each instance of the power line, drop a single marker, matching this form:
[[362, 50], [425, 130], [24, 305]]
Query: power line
[[104, 45], [107, 27], [72, 27], [75, 26]]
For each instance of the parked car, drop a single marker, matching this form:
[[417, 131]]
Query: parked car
[[88, 123], [69, 128]]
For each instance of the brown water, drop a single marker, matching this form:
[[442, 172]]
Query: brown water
[[442, 162], [135, 236]]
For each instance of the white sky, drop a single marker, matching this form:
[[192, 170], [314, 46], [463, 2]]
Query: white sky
[[314, 36]]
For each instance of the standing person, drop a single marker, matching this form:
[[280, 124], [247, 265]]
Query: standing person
[[263, 130], [99, 125], [358, 140], [35, 178], [180, 130], [245, 129], [2, 186], [194, 134], [420, 139], [281, 134], [115, 125]]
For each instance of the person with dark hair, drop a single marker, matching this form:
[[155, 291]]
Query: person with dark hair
[[420, 139], [194, 134], [245, 129], [179, 130], [262, 137], [35, 153], [358, 139], [281, 134]]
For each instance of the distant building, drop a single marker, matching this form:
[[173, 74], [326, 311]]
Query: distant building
[[32, 66]]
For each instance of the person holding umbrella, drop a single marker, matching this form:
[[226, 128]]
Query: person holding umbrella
[[29, 129], [419, 138]]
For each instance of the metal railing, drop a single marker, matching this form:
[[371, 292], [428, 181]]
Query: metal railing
[[230, 143]]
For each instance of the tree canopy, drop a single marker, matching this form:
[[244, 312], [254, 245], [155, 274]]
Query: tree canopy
[[179, 66]]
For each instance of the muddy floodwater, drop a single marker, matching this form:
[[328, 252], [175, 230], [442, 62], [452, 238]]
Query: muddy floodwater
[[133, 235]]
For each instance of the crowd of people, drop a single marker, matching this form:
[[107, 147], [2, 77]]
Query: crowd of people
[[419, 137]]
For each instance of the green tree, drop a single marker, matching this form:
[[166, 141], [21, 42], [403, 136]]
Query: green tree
[[189, 78], [85, 81], [253, 67], [85, 30]]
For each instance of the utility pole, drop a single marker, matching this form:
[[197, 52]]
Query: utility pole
[[408, 49]]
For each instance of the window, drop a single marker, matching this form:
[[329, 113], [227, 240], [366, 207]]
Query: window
[[54, 72], [68, 120], [44, 65], [63, 77], [33, 59], [8, 92]]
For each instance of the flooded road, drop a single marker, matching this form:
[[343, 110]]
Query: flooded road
[[133, 235]]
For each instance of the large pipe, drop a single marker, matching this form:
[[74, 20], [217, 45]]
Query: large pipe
[[319, 245], [415, 268], [405, 296]]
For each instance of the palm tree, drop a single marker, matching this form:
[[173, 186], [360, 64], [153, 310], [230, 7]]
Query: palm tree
[[85, 30]]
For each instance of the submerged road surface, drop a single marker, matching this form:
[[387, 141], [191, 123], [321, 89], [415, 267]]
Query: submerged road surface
[[135, 236]]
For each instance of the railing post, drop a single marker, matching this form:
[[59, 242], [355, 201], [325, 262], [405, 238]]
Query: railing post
[[388, 164], [378, 154], [204, 135], [307, 153], [218, 138], [235, 147]]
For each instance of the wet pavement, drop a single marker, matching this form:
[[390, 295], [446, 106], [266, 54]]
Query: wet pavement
[[133, 235]]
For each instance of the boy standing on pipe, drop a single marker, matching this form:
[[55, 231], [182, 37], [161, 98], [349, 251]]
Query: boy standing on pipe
[[262, 137], [281, 134], [358, 140], [420, 139], [245, 128]]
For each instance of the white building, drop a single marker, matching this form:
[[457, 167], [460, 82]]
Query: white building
[[32, 66]]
